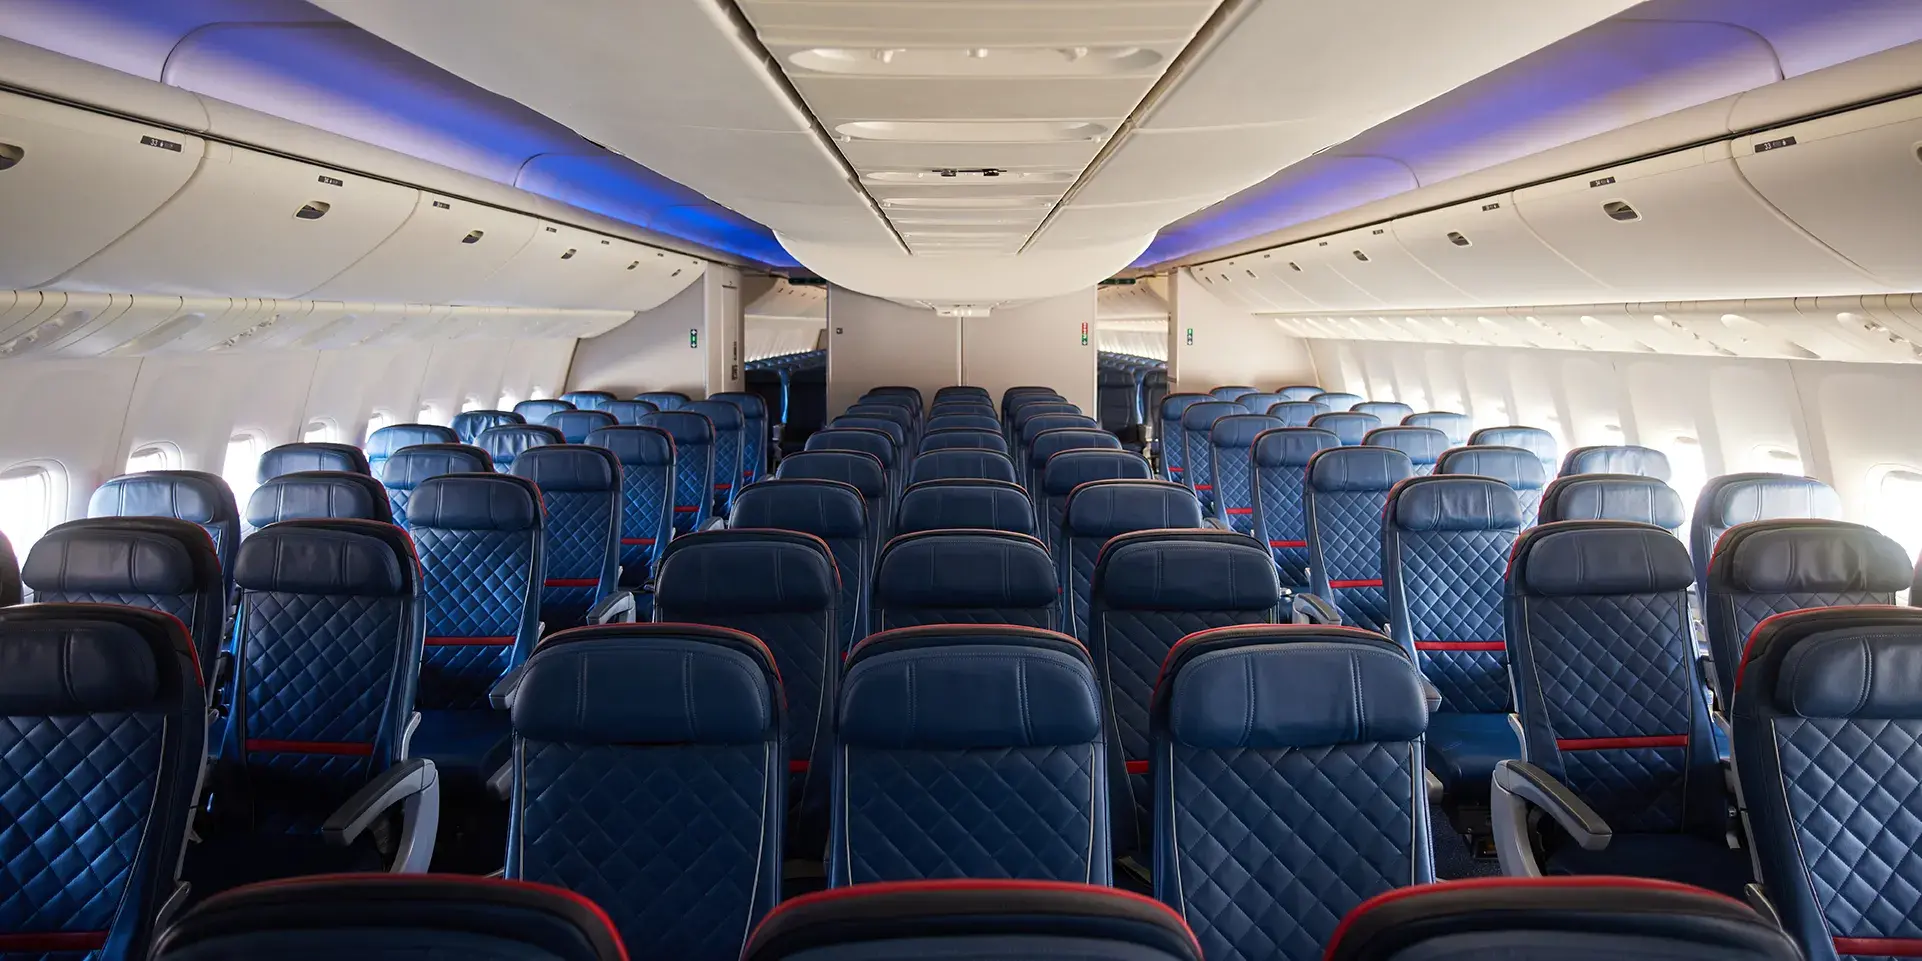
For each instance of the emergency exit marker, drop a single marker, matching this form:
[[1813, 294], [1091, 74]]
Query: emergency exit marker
[[1191, 336], [1084, 335], [694, 336]]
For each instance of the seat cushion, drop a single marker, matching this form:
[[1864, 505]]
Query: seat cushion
[[1463, 750], [1684, 858], [462, 744]]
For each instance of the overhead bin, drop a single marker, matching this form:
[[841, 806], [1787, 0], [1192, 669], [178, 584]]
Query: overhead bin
[[1484, 249], [652, 277], [81, 180], [1373, 259], [444, 251], [249, 224], [1309, 268], [559, 267]]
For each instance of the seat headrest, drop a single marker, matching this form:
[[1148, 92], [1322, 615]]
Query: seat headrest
[[1740, 498], [628, 413], [1612, 497], [1063, 472], [570, 467], [863, 439], [1103, 509], [1423, 445], [857, 469], [687, 427], [323, 493], [1269, 686], [1518, 468], [1808, 557], [649, 684], [954, 687], [1456, 427], [752, 405], [575, 425], [1358, 469], [1617, 459], [470, 424], [892, 408], [476, 502], [1174, 405], [113, 555], [1051, 442], [393, 437], [1297, 413], [587, 399], [636, 446], [409, 466], [957, 462], [1229, 392], [663, 399], [1336, 400], [1292, 446], [1197, 570], [746, 571], [535, 411], [963, 422], [1454, 503], [1575, 558], [505, 443], [824, 508], [896, 433], [1202, 417], [1352, 427], [1391, 412], [1028, 410], [1300, 391], [1258, 402], [959, 439], [1238, 431], [332, 557], [187, 495], [964, 504], [1535, 440], [965, 568], [1034, 427], [310, 456], [83, 663]]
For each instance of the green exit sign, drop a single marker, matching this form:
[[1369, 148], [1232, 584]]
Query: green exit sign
[[694, 336]]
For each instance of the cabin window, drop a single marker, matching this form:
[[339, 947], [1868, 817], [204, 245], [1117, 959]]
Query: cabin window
[[430, 414], [1894, 492], [507, 401], [471, 403], [29, 504], [1776, 460], [1687, 470], [242, 464], [379, 419], [162, 456], [321, 430], [538, 393]]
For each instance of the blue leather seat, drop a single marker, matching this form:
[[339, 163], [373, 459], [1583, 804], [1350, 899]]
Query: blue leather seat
[[481, 546], [410, 467], [837, 514], [318, 493], [1011, 397], [470, 424], [1535, 440], [1259, 401], [1764, 568], [575, 425], [1521, 470], [158, 563], [188, 495], [782, 587], [1391, 412], [1174, 443], [104, 733], [1280, 460], [890, 409], [1611, 706], [1295, 392], [1027, 409], [10, 591], [1230, 392], [580, 487], [1616, 459], [1048, 443], [1611, 497], [1557, 919], [957, 438], [646, 456], [1102, 510], [1288, 784], [960, 462], [1151, 589], [897, 432], [895, 390], [310, 456], [1344, 493], [964, 392], [1297, 413], [537, 411], [663, 399], [963, 422], [379, 917], [694, 465], [1423, 445], [327, 650], [505, 444], [754, 432], [964, 406], [1444, 565], [1338, 401], [1197, 424], [969, 752], [1455, 427], [1031, 430], [965, 577], [856, 469], [628, 413], [866, 441], [1069, 469], [382, 444], [1351, 426], [650, 780], [1825, 730], [979, 920], [964, 503], [1743, 498], [1232, 465], [588, 399]]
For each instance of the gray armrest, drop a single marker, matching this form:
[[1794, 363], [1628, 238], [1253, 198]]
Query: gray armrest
[[715, 524], [1306, 608], [501, 783], [1431, 694], [1218, 524], [1519, 787], [501, 696], [414, 784], [616, 608]]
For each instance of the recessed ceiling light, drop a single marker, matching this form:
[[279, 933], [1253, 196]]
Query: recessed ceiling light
[[968, 203], [1101, 61], [972, 131], [957, 178]]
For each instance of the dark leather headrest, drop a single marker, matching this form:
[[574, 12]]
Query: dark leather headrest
[[896, 433], [322, 493], [958, 439], [965, 568], [587, 399], [965, 504], [744, 571], [1028, 411], [575, 425], [664, 399], [1617, 459], [752, 405], [1198, 570], [1297, 413], [408, 467], [476, 502], [1808, 557], [649, 684], [470, 424], [862, 439], [1518, 468], [536, 411], [857, 469], [1456, 427], [685, 426], [1103, 509], [1258, 402], [1238, 431], [1230, 392], [1033, 427], [1423, 445], [112, 555], [952, 687], [1174, 405], [1271, 686], [1350, 426], [1573, 558], [393, 437], [1358, 469], [1391, 412], [187, 495], [1202, 416], [957, 462], [337, 557], [1535, 440], [310, 456], [1852, 672], [963, 422], [1051, 442], [1070, 469], [628, 413], [1300, 391], [1337, 400], [1454, 503], [1612, 497], [79, 664], [1292, 446], [1740, 498], [891, 408], [635, 446], [570, 467], [507, 443], [826, 509]]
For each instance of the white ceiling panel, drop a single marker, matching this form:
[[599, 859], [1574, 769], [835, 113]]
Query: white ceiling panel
[[1204, 162], [843, 98], [812, 23]]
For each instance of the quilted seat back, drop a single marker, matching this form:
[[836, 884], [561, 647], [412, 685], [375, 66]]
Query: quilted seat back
[[1030, 432], [1520, 469], [1612, 497], [470, 424], [859, 470], [628, 413], [409, 467], [1197, 424], [505, 444], [964, 503], [1535, 440], [1444, 566], [580, 489], [1616, 459], [951, 438], [646, 456], [537, 411], [1231, 454], [694, 469], [1174, 443], [1349, 425], [1280, 465], [651, 781], [1455, 427], [965, 577], [310, 455], [754, 434], [1101, 510], [382, 444], [1297, 413], [833, 512], [663, 399], [156, 563], [188, 495], [970, 752], [864, 440], [1344, 493], [1423, 445], [1744, 498], [480, 543], [1061, 473], [575, 425], [729, 426], [1337, 400], [1288, 784], [317, 493], [102, 731]]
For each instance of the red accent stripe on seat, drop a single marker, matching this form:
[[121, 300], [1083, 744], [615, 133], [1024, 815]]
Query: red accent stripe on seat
[[1880, 947], [48, 942], [1241, 510], [1287, 543], [1620, 743], [1373, 582], [338, 748], [1174, 470], [724, 487], [1204, 487], [796, 767], [643, 541], [688, 510], [451, 641], [1461, 645], [571, 582], [1137, 767]]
